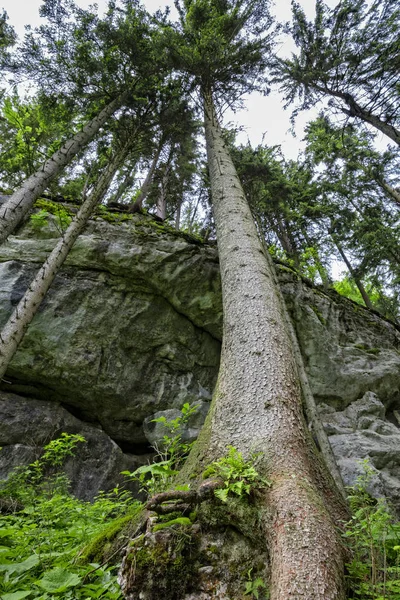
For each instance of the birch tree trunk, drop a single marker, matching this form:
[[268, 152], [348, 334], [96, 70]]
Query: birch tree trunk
[[22, 200], [257, 406], [15, 328]]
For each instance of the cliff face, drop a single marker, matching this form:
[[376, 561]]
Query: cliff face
[[132, 327]]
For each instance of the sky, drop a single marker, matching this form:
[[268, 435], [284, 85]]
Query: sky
[[263, 120]]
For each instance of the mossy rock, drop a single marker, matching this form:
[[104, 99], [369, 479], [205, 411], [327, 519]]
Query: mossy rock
[[163, 564], [109, 544]]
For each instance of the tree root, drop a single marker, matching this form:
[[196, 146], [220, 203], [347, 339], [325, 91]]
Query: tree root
[[185, 499]]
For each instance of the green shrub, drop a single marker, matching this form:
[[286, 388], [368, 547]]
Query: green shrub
[[373, 535], [41, 541]]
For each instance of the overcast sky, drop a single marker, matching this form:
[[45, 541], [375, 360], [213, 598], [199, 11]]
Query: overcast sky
[[263, 118]]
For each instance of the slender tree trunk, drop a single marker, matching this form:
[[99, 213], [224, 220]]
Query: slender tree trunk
[[178, 213], [162, 197], [193, 216], [126, 184], [353, 274], [15, 328], [356, 110], [257, 405], [144, 190], [22, 200], [325, 278], [392, 192]]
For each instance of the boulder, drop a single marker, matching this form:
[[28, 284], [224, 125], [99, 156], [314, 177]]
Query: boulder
[[26, 425], [131, 330]]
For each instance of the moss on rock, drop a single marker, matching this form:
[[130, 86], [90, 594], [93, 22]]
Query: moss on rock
[[111, 542]]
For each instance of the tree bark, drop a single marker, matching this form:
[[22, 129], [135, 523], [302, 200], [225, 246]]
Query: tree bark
[[15, 328], [353, 274], [257, 406], [311, 409], [144, 190], [356, 110], [392, 192], [22, 200], [126, 184]]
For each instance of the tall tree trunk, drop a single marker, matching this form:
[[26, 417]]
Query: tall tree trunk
[[22, 200], [178, 214], [311, 409], [144, 190], [353, 274], [15, 328], [257, 405]]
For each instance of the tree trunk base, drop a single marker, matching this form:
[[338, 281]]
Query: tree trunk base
[[211, 559]]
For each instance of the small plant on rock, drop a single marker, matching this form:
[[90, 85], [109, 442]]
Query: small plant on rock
[[239, 475], [171, 453]]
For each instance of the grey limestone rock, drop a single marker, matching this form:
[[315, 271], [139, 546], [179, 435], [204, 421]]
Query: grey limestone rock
[[131, 329], [155, 431], [26, 425], [361, 433]]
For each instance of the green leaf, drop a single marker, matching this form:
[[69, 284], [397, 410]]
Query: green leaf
[[16, 595], [222, 494], [58, 579], [6, 532], [21, 567]]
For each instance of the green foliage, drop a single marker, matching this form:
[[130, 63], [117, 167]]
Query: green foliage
[[240, 476], [223, 46], [47, 207], [40, 219], [374, 539], [171, 454], [41, 541], [30, 131], [253, 587], [346, 287], [43, 475], [347, 53]]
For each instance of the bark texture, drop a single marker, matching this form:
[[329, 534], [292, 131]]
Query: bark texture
[[353, 273], [15, 328], [257, 406], [144, 190], [22, 200], [357, 111]]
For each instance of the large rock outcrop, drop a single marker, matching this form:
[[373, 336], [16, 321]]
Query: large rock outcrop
[[132, 327]]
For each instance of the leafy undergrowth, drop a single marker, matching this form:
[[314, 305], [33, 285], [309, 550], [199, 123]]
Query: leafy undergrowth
[[42, 536], [373, 536]]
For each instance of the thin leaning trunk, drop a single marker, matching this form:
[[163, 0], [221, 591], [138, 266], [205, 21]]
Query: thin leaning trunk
[[15, 328], [126, 184], [353, 274], [162, 197], [356, 110], [257, 406], [13, 211], [392, 192], [145, 189]]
